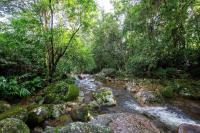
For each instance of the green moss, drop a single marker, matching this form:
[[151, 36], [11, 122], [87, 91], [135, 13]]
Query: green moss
[[15, 112], [32, 106], [81, 113], [102, 94], [65, 118], [79, 127], [73, 92], [38, 115], [60, 92], [11, 125]]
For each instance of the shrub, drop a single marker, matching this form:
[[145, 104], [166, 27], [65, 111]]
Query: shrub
[[12, 88], [21, 86], [168, 91]]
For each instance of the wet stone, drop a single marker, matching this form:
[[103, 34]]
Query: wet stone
[[189, 128]]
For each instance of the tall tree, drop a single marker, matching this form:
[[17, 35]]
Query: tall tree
[[77, 14]]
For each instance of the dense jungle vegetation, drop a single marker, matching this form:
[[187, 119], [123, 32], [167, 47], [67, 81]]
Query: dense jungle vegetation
[[45, 39], [44, 42]]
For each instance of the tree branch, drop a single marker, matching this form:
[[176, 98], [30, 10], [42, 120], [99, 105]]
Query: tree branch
[[67, 46]]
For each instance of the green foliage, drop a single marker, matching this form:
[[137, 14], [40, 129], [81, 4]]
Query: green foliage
[[108, 49], [32, 85], [70, 80], [182, 87], [38, 44], [168, 91], [158, 36], [78, 58], [12, 88], [73, 92], [21, 86]]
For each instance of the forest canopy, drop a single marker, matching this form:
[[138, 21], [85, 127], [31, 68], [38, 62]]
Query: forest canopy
[[159, 39], [99, 66]]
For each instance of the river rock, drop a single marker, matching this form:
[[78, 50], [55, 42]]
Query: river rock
[[131, 86], [189, 128], [58, 110], [79, 127], [146, 97], [4, 106], [38, 115], [60, 92], [126, 123], [38, 130], [12, 125], [61, 121], [81, 113], [104, 97]]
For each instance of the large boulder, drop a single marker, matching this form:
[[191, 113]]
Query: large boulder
[[81, 113], [103, 97], [126, 123], [79, 127], [12, 125], [189, 128], [17, 112], [38, 115], [57, 110], [147, 97], [4, 106], [60, 92]]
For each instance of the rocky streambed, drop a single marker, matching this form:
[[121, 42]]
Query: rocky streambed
[[96, 107], [165, 117]]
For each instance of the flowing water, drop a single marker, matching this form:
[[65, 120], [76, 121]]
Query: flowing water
[[171, 116]]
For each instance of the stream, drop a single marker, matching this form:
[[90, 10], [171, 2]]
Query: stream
[[170, 116]]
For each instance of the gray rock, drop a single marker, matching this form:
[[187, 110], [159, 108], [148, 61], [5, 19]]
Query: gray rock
[[58, 110], [12, 125], [146, 97], [189, 128], [38, 130], [131, 86], [38, 115], [104, 97], [4, 106], [126, 123], [81, 113], [79, 127]]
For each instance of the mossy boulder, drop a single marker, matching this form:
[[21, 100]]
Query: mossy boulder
[[12, 125], [38, 115], [103, 97], [81, 113], [4, 106], [60, 92], [17, 112], [148, 97], [57, 110], [79, 127]]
